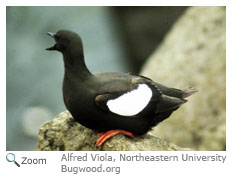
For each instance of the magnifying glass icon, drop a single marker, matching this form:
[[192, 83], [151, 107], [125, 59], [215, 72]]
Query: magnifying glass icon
[[10, 157]]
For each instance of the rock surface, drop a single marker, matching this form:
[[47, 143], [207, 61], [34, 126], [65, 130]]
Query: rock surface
[[63, 133], [194, 54]]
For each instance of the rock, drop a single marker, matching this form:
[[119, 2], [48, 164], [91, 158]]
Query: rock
[[63, 133], [194, 54]]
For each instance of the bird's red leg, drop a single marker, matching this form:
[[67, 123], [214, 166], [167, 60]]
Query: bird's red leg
[[100, 134], [103, 136]]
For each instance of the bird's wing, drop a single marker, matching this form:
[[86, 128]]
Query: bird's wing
[[172, 92], [126, 95]]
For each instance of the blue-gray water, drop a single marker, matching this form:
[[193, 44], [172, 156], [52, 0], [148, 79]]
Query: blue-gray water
[[34, 76]]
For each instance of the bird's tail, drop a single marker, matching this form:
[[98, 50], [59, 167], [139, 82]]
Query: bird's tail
[[188, 92]]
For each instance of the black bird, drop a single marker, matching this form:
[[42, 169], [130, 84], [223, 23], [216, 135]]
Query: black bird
[[112, 102]]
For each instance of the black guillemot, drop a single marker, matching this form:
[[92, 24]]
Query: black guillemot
[[112, 102]]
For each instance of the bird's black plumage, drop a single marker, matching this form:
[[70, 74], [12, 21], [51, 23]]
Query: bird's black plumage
[[86, 95]]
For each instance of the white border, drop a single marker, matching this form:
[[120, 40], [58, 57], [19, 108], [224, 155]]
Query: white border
[[228, 78], [116, 3], [3, 78]]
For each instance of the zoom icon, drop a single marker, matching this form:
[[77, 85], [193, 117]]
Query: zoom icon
[[10, 157]]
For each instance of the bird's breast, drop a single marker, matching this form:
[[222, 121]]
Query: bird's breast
[[78, 98]]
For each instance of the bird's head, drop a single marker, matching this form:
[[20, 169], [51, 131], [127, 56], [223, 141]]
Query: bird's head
[[66, 41]]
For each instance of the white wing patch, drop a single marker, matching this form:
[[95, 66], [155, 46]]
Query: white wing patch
[[131, 103]]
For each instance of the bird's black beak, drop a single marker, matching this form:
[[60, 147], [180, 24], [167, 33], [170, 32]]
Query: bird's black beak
[[53, 36]]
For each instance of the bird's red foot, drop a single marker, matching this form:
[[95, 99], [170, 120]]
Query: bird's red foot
[[103, 136]]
